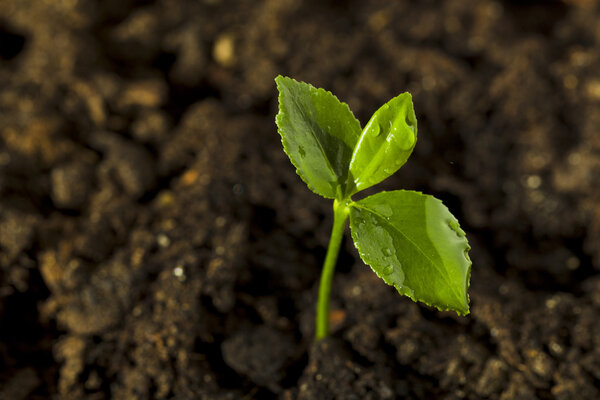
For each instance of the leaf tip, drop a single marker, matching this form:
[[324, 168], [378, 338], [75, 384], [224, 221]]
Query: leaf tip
[[279, 79]]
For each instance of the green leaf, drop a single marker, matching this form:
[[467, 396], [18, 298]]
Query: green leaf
[[413, 243], [318, 133], [385, 143]]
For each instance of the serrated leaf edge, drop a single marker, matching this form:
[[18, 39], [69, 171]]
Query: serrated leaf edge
[[284, 142], [466, 250], [363, 133]]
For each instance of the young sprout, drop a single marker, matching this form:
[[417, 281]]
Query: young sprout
[[409, 239]]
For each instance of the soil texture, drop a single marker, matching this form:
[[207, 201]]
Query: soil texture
[[156, 243]]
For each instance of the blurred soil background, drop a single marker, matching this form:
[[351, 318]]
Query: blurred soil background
[[156, 243]]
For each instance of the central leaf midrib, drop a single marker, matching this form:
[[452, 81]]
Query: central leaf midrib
[[381, 217], [313, 134], [373, 159]]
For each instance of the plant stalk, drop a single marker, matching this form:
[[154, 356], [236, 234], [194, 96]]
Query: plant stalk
[[340, 215]]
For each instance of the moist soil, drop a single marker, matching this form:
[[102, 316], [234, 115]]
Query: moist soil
[[156, 243]]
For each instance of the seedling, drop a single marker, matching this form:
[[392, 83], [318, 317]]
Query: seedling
[[409, 239]]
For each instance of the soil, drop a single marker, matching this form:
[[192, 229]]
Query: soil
[[155, 241]]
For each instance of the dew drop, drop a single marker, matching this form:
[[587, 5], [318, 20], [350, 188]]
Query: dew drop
[[388, 269], [387, 171], [408, 143], [387, 252], [376, 130]]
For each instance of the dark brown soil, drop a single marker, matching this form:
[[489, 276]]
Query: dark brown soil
[[155, 241]]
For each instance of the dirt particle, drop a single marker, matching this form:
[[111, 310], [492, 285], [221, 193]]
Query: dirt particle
[[331, 373], [592, 89], [20, 385], [533, 181], [179, 273], [260, 353], [365, 339], [552, 302], [220, 221], [556, 348], [70, 350], [238, 189], [379, 20], [16, 234], [570, 81], [93, 381], [146, 93], [71, 185], [493, 377], [573, 263], [189, 177], [540, 363], [337, 317], [224, 50], [151, 126], [165, 199], [163, 240], [135, 169]]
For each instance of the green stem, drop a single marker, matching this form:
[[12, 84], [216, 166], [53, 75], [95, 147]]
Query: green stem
[[340, 215]]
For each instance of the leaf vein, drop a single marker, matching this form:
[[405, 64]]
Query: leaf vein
[[442, 270], [314, 135]]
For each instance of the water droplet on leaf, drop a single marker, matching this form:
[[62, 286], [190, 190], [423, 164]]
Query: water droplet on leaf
[[408, 143], [388, 269], [376, 130]]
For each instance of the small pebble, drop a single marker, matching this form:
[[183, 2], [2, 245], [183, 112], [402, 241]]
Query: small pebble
[[163, 240]]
